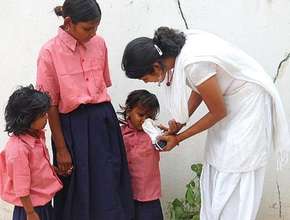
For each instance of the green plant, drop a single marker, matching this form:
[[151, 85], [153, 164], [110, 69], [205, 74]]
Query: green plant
[[188, 208]]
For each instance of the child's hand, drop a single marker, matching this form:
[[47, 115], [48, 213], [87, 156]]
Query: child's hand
[[162, 127], [32, 216], [62, 173], [64, 161]]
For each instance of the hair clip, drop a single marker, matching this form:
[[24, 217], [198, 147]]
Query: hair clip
[[158, 50], [122, 66]]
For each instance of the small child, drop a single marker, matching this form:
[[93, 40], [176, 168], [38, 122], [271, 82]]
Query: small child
[[143, 158], [27, 180]]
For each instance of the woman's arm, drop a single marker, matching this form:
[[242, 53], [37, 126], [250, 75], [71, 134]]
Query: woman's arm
[[28, 207], [211, 94], [193, 102], [63, 156]]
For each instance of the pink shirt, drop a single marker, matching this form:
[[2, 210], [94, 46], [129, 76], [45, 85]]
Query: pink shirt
[[72, 73], [143, 162], [25, 170]]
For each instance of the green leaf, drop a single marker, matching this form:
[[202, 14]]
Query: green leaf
[[194, 168], [197, 168], [177, 202], [179, 212], [188, 208], [189, 196]]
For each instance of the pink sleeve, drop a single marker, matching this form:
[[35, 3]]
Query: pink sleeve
[[18, 169], [2, 170], [107, 77], [46, 76]]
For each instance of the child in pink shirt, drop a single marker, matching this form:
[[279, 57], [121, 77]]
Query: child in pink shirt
[[143, 158], [27, 180]]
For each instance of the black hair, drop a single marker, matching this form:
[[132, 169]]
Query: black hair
[[141, 53], [24, 106], [79, 10], [142, 98]]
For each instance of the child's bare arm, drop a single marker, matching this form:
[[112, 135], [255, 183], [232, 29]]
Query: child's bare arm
[[28, 207]]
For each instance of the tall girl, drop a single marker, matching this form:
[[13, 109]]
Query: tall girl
[[87, 142]]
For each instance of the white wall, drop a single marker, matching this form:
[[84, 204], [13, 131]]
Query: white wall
[[260, 27]]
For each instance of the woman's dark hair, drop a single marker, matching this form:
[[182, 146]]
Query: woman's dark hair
[[142, 98], [141, 53], [79, 10], [24, 106]]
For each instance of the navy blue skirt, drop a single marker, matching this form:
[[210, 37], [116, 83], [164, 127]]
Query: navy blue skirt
[[99, 187], [150, 210], [44, 212]]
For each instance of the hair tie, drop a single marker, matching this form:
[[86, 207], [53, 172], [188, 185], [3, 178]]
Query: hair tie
[[158, 50]]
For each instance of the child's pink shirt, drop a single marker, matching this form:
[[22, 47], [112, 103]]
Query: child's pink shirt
[[143, 163], [25, 170], [72, 73]]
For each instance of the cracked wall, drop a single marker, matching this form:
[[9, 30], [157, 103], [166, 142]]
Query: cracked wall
[[259, 27]]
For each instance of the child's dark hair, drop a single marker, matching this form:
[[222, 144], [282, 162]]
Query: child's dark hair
[[142, 98], [24, 106], [141, 53], [79, 10]]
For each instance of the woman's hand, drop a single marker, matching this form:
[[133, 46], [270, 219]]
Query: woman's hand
[[32, 216], [64, 161], [174, 127], [171, 141]]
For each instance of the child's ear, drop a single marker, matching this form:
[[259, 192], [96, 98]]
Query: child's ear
[[128, 110]]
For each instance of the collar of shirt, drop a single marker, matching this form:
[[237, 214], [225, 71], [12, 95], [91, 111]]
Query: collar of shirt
[[30, 140], [67, 39], [129, 127]]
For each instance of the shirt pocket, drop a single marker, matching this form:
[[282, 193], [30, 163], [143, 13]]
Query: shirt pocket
[[96, 70], [72, 83]]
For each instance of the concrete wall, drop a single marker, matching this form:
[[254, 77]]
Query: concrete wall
[[260, 27]]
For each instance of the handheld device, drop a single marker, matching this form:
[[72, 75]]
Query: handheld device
[[160, 144]]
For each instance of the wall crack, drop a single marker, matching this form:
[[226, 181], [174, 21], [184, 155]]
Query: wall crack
[[182, 14], [280, 66], [279, 199]]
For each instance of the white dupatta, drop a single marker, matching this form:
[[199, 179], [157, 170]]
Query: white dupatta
[[202, 46]]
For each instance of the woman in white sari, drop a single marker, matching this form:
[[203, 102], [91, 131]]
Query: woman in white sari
[[245, 120]]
